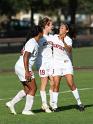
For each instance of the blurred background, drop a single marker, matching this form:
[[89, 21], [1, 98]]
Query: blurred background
[[16, 19], [18, 16]]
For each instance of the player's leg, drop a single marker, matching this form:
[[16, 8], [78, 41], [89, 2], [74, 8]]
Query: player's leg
[[51, 90], [43, 84], [45, 107], [71, 84], [15, 100], [30, 97], [20, 73], [56, 91]]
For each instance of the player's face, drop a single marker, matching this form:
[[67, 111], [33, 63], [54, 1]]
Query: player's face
[[63, 29], [50, 27]]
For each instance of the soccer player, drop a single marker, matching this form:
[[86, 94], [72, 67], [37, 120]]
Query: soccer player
[[62, 47], [23, 69], [44, 62]]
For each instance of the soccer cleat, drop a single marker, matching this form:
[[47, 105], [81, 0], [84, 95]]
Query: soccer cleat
[[81, 107], [45, 107], [53, 107], [11, 107], [27, 112], [56, 110]]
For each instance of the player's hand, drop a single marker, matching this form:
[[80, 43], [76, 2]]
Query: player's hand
[[28, 75], [62, 38]]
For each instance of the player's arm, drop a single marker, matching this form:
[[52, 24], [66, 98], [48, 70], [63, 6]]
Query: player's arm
[[26, 65], [67, 47]]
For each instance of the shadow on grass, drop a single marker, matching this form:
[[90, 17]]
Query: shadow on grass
[[64, 108], [38, 111]]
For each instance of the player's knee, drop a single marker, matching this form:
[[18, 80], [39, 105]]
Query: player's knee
[[56, 87], [51, 86], [72, 86], [33, 90]]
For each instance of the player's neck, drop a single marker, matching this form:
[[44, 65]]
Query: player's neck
[[45, 32], [62, 36], [37, 38]]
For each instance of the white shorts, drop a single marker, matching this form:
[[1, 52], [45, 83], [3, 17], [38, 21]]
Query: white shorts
[[62, 72], [45, 67], [20, 71], [43, 72], [67, 68]]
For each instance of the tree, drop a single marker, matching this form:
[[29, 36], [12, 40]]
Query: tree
[[66, 7], [7, 8], [72, 10], [85, 7]]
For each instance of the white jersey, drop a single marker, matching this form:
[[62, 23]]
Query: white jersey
[[60, 55], [32, 47], [45, 56], [45, 50]]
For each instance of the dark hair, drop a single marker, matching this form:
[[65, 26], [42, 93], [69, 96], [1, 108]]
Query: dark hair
[[65, 24], [44, 21], [34, 31]]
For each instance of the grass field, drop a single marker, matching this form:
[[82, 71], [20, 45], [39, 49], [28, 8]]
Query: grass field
[[10, 85], [68, 114], [81, 57]]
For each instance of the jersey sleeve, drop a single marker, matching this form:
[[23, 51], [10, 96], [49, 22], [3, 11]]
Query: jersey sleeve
[[29, 46], [68, 41]]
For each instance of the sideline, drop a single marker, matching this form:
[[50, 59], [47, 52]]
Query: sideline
[[77, 68], [68, 91]]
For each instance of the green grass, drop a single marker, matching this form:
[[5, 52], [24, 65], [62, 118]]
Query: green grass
[[69, 115], [10, 85], [7, 61], [81, 57]]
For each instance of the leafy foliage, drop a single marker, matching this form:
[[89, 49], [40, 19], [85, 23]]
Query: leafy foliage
[[85, 7]]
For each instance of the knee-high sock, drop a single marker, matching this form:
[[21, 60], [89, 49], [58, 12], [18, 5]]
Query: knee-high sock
[[51, 96], [76, 95], [43, 97], [55, 99], [29, 102], [18, 97]]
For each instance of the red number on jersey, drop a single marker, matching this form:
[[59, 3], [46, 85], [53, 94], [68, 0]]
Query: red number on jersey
[[42, 72]]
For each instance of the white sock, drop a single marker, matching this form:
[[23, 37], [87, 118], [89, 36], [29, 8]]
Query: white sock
[[76, 95], [29, 102], [18, 97], [51, 96], [55, 98], [43, 97]]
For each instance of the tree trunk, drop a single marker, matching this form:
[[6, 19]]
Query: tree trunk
[[72, 10], [32, 16]]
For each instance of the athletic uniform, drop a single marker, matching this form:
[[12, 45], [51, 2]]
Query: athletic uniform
[[32, 47], [61, 62], [44, 59]]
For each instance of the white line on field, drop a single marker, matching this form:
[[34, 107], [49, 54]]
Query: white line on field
[[59, 92]]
